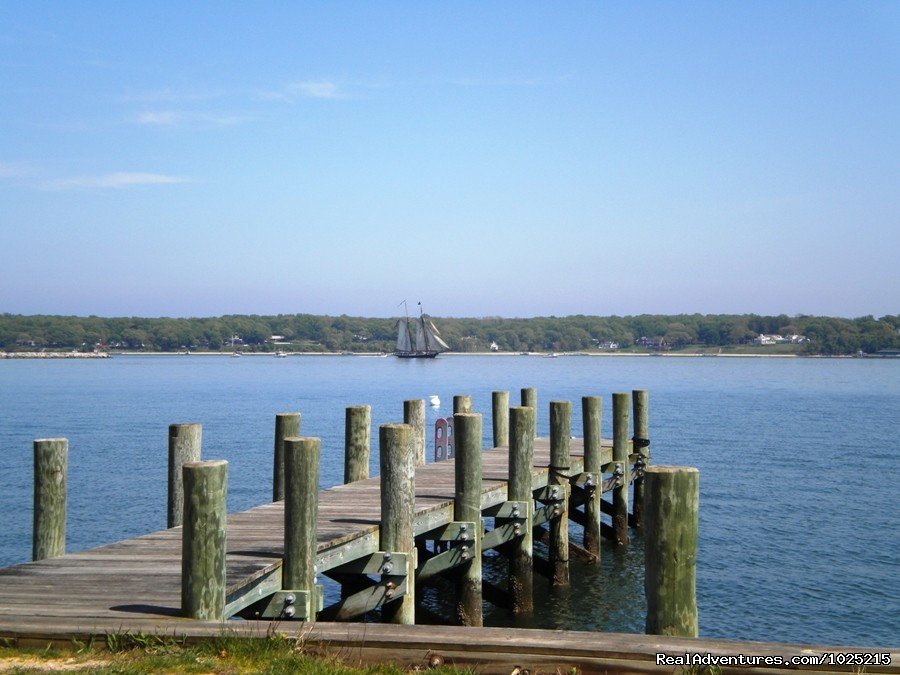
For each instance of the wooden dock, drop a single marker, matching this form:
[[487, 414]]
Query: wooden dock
[[133, 582], [136, 586]]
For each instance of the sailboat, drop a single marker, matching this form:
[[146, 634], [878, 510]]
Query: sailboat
[[427, 343]]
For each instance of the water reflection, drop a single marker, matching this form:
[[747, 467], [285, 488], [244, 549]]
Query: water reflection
[[607, 598]]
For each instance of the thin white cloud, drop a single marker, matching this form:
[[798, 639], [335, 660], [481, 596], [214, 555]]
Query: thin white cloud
[[160, 118], [320, 89], [115, 181], [316, 89], [173, 118]]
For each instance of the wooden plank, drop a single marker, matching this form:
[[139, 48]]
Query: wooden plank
[[442, 562], [247, 595], [492, 650], [389, 589]]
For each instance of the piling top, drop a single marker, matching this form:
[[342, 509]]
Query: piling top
[[181, 426], [395, 425], [301, 439], [204, 464], [49, 440], [656, 468]]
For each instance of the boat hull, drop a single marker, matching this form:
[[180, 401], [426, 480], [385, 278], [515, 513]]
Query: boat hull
[[416, 355]]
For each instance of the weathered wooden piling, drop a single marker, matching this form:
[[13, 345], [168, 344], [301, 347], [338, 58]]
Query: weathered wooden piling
[[357, 442], [671, 526], [462, 403], [398, 471], [529, 398], [500, 417], [521, 459], [620, 457], [558, 484], [414, 416], [467, 508], [591, 407], [203, 540], [640, 443], [184, 447], [287, 425], [51, 462], [301, 502]]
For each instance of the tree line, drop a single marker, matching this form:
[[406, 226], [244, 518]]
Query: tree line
[[307, 332]]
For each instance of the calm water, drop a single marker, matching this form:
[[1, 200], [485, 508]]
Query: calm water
[[800, 518]]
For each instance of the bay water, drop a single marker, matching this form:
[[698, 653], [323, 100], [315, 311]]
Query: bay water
[[799, 462]]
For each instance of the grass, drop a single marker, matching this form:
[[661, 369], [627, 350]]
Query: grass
[[135, 653]]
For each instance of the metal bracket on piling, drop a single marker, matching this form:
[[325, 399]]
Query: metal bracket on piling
[[641, 457], [511, 510], [294, 605], [455, 531], [583, 485], [587, 480], [513, 520], [617, 469], [551, 493], [639, 465], [551, 499], [380, 562]]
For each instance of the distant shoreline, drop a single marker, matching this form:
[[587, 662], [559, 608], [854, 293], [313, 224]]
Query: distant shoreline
[[677, 355]]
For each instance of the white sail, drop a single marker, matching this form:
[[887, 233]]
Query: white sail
[[434, 338], [403, 343]]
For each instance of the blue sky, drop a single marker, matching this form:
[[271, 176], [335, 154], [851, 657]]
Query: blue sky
[[501, 158]]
